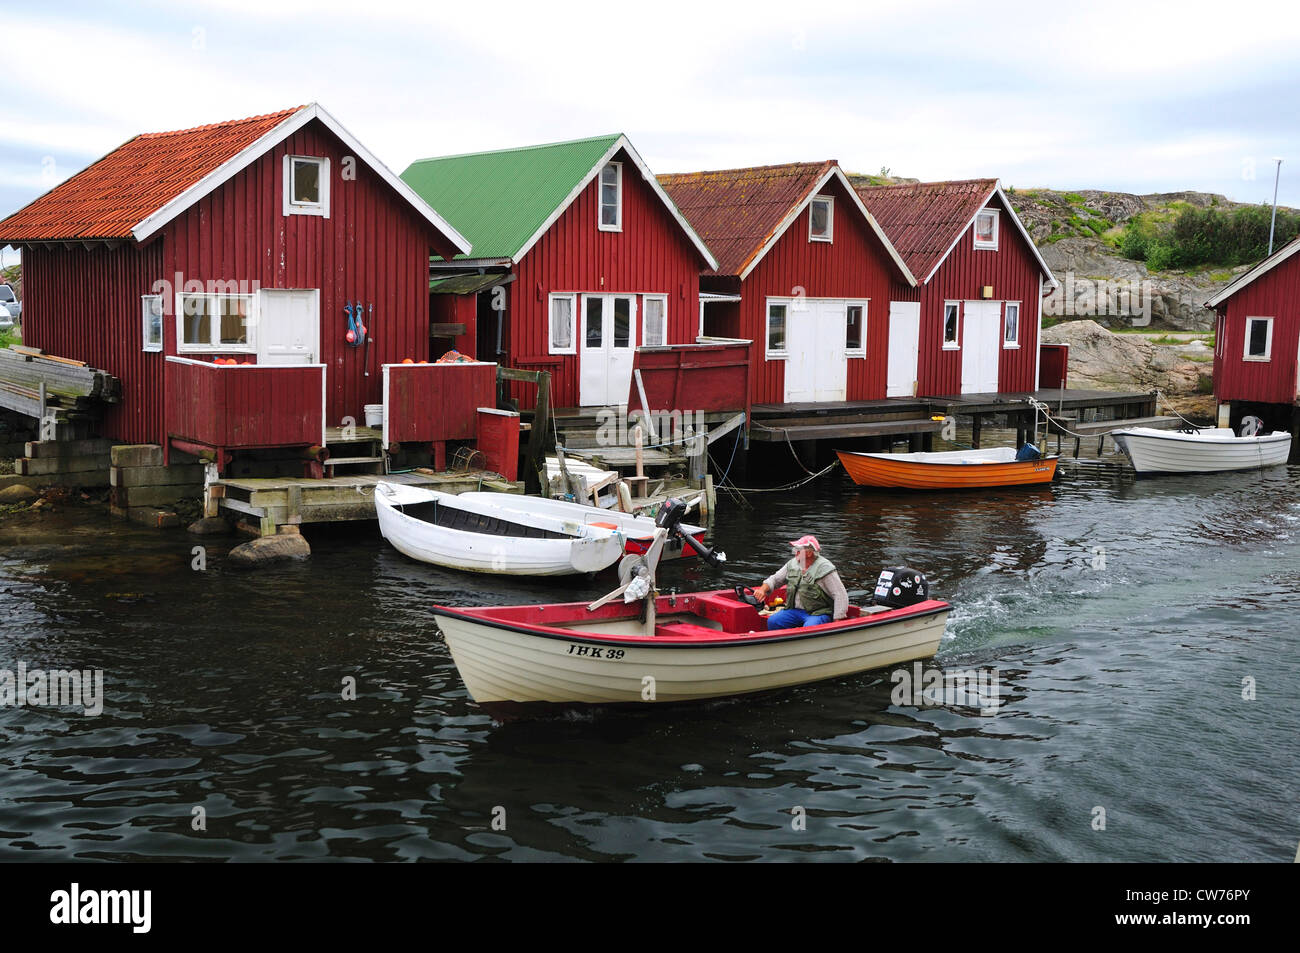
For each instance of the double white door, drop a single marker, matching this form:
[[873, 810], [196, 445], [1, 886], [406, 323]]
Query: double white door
[[980, 346], [816, 368], [606, 349]]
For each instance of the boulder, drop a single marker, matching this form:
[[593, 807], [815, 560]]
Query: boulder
[[210, 526], [269, 550], [18, 493], [1122, 362]]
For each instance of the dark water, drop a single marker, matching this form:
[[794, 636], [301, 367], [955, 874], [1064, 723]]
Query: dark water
[[1122, 618]]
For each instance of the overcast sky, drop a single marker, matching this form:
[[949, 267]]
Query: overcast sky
[[1091, 95]]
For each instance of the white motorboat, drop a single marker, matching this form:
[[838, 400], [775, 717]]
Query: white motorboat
[[1208, 450], [451, 531], [638, 531]]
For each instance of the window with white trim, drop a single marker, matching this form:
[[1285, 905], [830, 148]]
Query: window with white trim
[[563, 310], [215, 322], [821, 219], [1011, 325], [951, 324], [611, 197], [776, 330], [151, 307], [855, 330], [306, 185], [1259, 339], [654, 320], [986, 229]]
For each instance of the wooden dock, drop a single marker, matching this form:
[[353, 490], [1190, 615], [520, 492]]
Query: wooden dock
[[271, 502]]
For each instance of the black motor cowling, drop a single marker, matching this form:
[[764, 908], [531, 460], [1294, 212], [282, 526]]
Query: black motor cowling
[[901, 587]]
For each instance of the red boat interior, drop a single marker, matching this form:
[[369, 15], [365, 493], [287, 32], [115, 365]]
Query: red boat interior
[[700, 616]]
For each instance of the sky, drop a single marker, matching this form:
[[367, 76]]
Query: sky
[[1107, 95]]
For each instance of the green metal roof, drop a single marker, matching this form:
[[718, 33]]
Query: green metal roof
[[499, 200]]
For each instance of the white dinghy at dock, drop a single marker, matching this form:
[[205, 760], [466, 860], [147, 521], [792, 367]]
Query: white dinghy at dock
[[1209, 450]]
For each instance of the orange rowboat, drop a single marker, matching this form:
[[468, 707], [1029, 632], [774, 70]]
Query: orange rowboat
[[950, 470]]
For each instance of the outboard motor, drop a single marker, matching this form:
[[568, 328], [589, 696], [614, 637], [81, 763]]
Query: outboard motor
[[670, 516], [901, 587], [1027, 452]]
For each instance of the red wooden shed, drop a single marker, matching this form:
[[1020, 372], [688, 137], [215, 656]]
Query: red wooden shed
[[1257, 343], [579, 259], [972, 323], [804, 272], [244, 241]]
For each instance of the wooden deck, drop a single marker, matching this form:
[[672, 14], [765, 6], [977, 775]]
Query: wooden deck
[[273, 501]]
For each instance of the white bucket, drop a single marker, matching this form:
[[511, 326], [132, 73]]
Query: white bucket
[[374, 415]]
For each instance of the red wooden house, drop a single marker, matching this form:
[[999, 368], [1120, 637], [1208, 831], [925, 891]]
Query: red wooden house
[[1257, 344], [972, 322], [242, 240], [803, 271], [579, 259]]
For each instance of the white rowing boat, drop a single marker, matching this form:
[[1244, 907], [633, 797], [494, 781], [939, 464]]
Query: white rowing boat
[[1211, 450], [456, 533], [638, 531]]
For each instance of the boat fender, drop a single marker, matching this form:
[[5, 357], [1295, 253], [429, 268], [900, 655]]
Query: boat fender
[[901, 587]]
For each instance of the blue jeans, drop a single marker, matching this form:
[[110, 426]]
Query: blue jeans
[[794, 619]]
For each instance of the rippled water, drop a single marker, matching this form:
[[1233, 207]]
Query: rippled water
[[1122, 617]]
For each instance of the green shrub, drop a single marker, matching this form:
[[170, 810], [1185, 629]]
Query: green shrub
[[1074, 198]]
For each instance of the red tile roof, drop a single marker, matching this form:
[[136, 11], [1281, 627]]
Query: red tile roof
[[924, 219], [736, 211], [108, 198]]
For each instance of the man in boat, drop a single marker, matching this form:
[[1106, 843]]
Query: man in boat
[[814, 592]]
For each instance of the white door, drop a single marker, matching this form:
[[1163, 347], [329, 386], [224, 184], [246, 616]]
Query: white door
[[608, 345], [288, 327], [816, 368], [904, 348], [980, 343]]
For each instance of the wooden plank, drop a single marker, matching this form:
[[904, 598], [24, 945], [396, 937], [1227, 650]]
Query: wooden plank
[[844, 431]]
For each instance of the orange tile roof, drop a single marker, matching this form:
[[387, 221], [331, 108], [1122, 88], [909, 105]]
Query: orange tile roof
[[109, 197], [736, 211], [923, 219]]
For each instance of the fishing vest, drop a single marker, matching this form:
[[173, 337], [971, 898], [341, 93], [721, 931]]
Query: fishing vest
[[802, 590]]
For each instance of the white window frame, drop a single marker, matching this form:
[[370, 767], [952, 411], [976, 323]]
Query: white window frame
[[951, 345], [1012, 344], [321, 208], [778, 354], [645, 324], [250, 347], [830, 219], [861, 350], [1268, 341], [991, 245], [573, 324], [618, 202], [145, 315]]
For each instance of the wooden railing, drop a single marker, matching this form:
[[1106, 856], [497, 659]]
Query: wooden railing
[[245, 405], [434, 403], [710, 376]]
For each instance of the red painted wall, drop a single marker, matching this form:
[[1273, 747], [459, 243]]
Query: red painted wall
[[854, 265], [1014, 273], [373, 247], [651, 255], [235, 407], [85, 304], [1275, 295]]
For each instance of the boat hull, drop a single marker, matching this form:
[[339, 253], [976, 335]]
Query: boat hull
[[498, 555], [879, 470], [510, 668], [1153, 452]]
